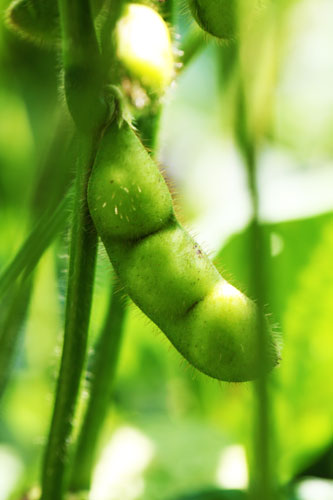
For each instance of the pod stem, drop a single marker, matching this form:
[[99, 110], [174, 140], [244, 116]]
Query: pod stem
[[148, 122], [78, 304], [104, 364]]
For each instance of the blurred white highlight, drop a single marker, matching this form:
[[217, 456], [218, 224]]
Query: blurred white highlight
[[144, 44], [232, 469], [11, 469], [277, 244], [225, 290], [118, 475], [315, 489]]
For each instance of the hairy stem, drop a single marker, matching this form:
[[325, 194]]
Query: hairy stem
[[108, 43], [83, 89], [78, 305], [103, 371], [82, 61]]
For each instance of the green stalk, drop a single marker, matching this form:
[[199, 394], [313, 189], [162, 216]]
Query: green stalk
[[83, 69], [83, 89], [264, 487], [148, 121], [78, 305], [108, 40], [103, 371], [191, 46]]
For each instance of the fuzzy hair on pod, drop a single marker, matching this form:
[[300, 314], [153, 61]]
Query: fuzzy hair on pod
[[164, 271]]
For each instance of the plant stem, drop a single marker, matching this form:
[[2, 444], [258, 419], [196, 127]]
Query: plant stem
[[148, 121], [108, 43], [83, 89], [192, 44], [103, 370], [84, 76], [78, 304], [263, 486]]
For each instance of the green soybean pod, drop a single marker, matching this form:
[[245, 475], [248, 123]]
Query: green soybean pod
[[38, 20], [165, 272], [217, 17]]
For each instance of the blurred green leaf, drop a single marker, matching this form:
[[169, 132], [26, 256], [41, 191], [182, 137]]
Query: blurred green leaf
[[300, 296]]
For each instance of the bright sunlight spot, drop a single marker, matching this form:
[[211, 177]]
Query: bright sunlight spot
[[225, 290], [11, 469], [118, 475], [144, 46], [317, 489], [232, 468]]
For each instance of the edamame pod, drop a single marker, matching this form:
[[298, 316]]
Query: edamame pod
[[164, 271]]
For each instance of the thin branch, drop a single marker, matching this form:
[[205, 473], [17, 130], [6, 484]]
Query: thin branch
[[78, 305], [103, 370], [83, 89]]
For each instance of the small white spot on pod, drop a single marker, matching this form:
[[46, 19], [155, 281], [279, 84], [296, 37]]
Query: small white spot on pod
[[139, 189], [104, 205], [116, 210]]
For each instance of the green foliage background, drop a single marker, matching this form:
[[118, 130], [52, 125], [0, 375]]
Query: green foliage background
[[188, 419]]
